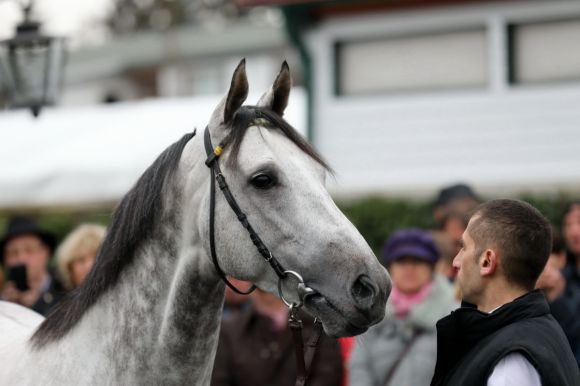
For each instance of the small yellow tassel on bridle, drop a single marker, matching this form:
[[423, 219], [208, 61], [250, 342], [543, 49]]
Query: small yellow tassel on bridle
[[218, 151]]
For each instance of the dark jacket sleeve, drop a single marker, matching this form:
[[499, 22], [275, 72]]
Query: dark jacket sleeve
[[565, 310], [222, 371]]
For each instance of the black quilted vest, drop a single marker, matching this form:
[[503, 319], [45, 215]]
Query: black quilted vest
[[470, 343]]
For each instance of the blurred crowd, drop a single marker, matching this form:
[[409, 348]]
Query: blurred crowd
[[31, 277], [255, 345]]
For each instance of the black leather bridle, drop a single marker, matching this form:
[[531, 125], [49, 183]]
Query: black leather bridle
[[304, 355], [213, 155]]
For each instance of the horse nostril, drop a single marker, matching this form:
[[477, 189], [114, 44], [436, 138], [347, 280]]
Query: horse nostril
[[364, 292]]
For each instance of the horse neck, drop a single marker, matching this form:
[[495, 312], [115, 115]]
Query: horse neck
[[188, 334], [163, 315]]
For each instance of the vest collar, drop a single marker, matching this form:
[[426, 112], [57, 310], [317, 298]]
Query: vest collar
[[460, 331]]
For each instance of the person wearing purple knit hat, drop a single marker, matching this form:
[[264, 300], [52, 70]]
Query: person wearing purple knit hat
[[401, 349], [411, 255]]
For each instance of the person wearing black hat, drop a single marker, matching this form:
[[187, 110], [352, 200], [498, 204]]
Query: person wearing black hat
[[25, 250], [453, 205], [451, 211]]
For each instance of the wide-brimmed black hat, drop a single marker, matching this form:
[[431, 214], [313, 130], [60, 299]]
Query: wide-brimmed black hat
[[18, 226], [455, 192]]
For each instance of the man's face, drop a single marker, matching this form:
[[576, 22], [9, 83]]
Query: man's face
[[30, 251], [454, 227], [466, 262], [572, 230]]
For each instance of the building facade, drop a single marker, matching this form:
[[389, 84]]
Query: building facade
[[407, 96], [181, 62]]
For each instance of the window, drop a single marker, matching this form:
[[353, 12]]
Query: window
[[420, 62], [545, 52]]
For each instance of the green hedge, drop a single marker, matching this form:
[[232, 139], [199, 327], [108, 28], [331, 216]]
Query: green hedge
[[376, 217]]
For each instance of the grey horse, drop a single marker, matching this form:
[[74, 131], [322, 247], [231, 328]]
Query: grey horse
[[149, 311]]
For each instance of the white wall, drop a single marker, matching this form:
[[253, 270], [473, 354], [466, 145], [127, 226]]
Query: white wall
[[94, 154], [500, 138], [93, 92]]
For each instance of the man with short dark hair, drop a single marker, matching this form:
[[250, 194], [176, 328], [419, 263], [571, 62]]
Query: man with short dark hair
[[504, 333]]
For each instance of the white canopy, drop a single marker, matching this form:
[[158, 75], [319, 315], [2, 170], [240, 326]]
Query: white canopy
[[94, 154]]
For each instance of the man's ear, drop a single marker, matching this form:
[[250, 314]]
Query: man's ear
[[488, 263]]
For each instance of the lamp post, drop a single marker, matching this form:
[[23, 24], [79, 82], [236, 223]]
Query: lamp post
[[31, 66]]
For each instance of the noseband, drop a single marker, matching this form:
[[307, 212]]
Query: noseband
[[303, 357]]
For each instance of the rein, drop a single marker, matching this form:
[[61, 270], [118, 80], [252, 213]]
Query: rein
[[304, 356]]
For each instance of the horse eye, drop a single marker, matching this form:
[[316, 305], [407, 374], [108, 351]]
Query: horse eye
[[263, 181]]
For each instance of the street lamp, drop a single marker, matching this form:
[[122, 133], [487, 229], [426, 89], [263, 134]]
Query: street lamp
[[31, 66]]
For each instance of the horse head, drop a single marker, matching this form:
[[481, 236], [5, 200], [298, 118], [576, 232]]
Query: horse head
[[278, 180]]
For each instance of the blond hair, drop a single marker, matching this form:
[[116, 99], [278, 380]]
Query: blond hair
[[84, 239]]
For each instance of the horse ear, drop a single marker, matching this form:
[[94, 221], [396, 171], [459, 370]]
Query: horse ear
[[277, 97], [238, 91]]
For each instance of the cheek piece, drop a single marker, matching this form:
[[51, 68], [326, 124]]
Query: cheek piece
[[304, 355]]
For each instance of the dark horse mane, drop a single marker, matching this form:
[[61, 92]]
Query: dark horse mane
[[132, 222], [134, 219]]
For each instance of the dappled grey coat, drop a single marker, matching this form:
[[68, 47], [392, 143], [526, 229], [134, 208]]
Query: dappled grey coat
[[377, 350]]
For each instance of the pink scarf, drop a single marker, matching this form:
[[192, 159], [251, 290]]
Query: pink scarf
[[404, 303]]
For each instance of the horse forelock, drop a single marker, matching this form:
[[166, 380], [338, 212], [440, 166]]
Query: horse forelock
[[133, 222], [248, 116]]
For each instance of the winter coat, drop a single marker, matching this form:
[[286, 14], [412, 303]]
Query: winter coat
[[376, 352], [566, 308], [49, 297], [252, 352]]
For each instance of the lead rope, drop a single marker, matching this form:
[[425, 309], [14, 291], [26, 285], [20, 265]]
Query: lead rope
[[303, 357]]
